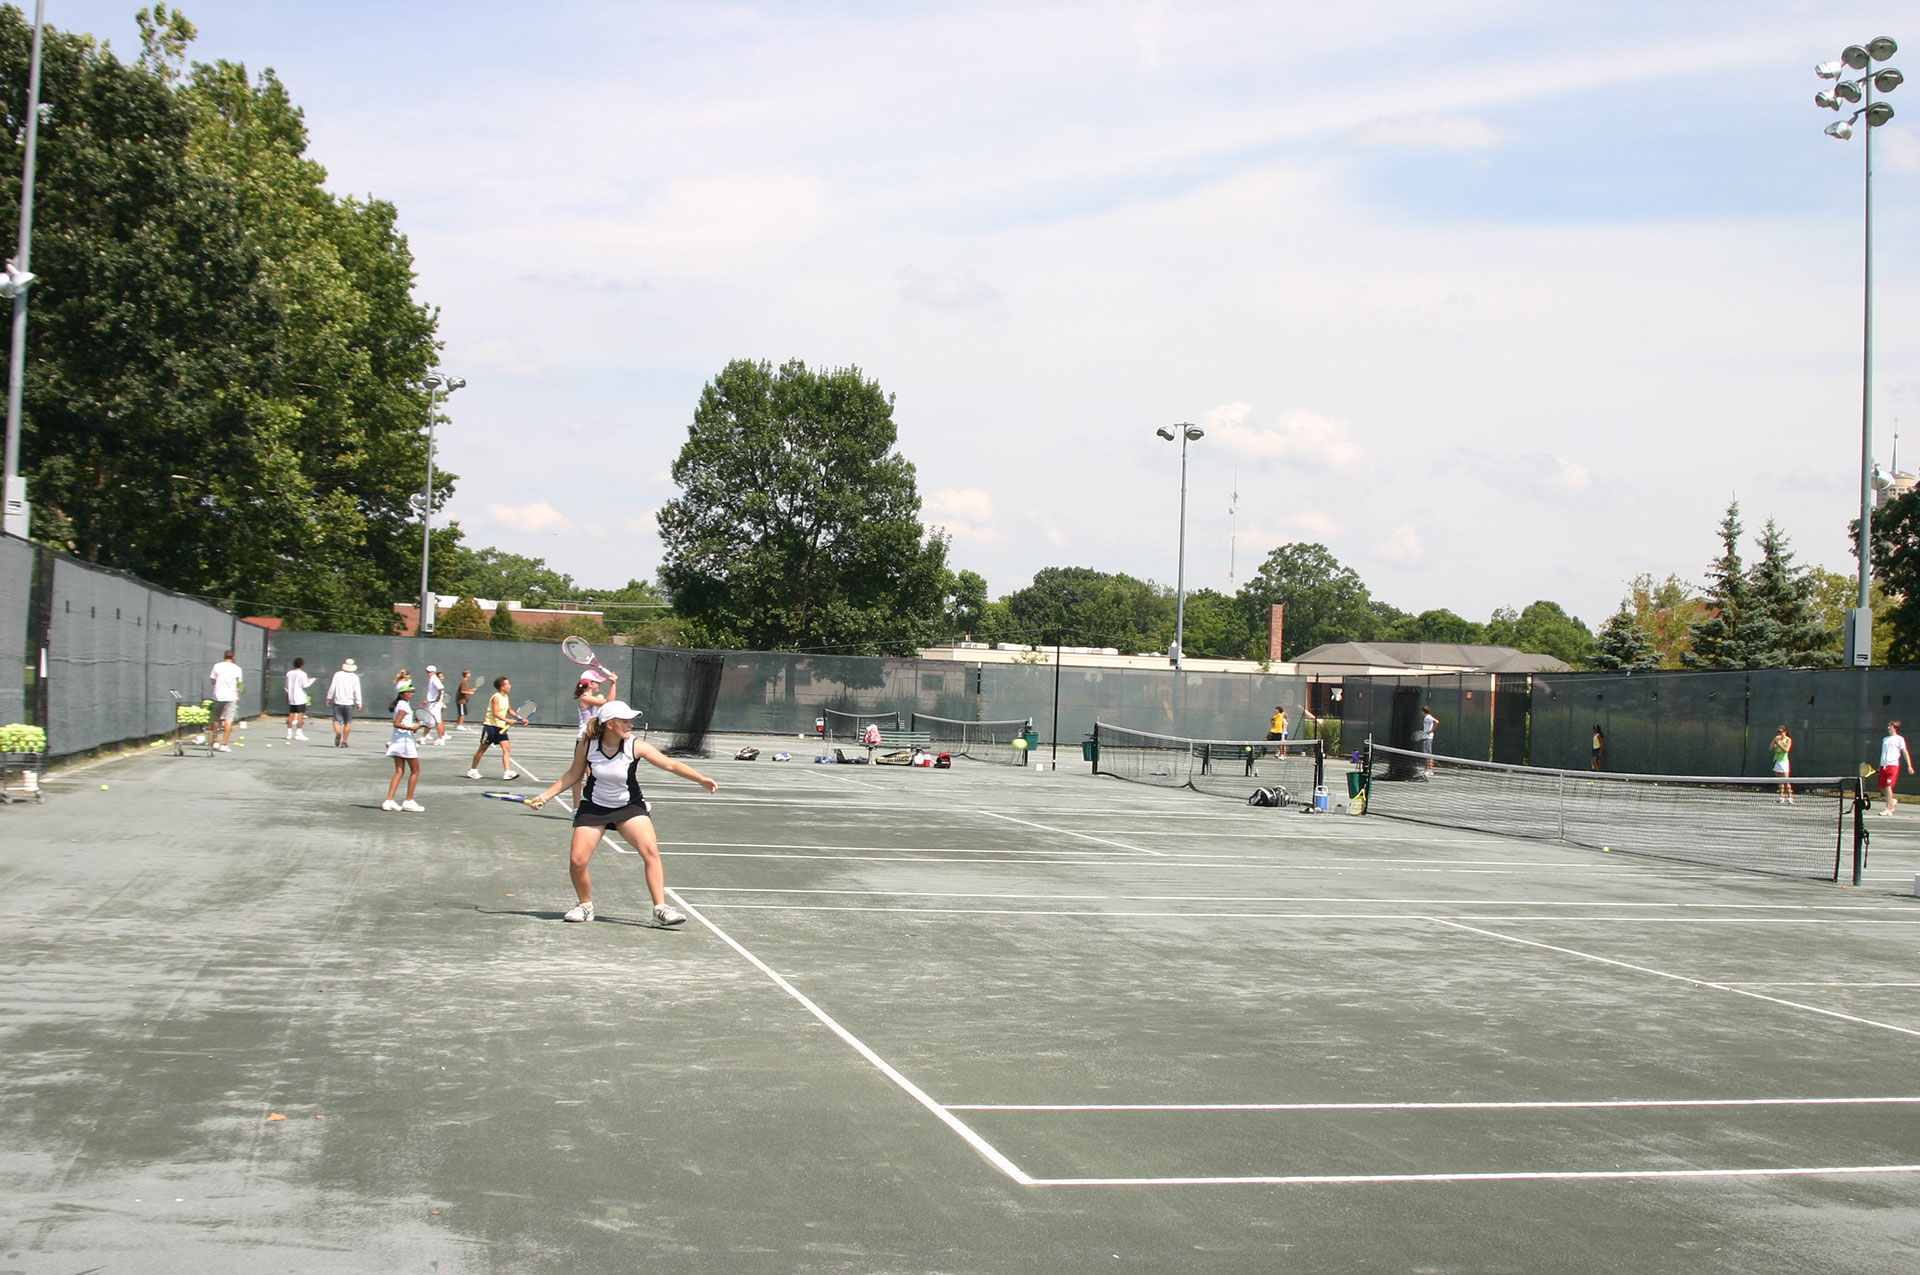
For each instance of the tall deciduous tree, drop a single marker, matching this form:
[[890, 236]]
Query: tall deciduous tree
[[1325, 601], [1544, 628], [1895, 529], [798, 524], [1082, 606], [1666, 612]]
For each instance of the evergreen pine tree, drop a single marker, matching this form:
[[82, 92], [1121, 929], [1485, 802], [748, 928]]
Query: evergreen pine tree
[[1716, 641], [1784, 594], [502, 623], [1623, 644]]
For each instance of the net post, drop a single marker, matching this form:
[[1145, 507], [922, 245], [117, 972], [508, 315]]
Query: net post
[[1319, 764], [1859, 830], [1096, 746], [1366, 781]]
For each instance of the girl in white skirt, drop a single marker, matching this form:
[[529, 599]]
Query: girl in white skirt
[[404, 749]]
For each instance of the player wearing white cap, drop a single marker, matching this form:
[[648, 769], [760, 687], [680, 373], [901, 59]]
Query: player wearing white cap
[[433, 711], [608, 757]]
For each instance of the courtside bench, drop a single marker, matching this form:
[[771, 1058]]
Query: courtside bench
[[914, 741]]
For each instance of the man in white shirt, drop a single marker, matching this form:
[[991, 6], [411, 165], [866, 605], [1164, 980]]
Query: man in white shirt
[[1893, 751], [1429, 727], [225, 677], [298, 680], [433, 712], [343, 696]]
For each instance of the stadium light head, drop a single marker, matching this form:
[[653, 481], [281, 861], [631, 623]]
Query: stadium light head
[[1826, 99], [1829, 70], [1842, 129], [1889, 80], [1195, 433], [1879, 478], [15, 280], [1882, 47], [1856, 56], [447, 383], [1878, 114], [1847, 90], [1165, 433]]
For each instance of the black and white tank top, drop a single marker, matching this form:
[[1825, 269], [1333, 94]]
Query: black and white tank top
[[612, 782]]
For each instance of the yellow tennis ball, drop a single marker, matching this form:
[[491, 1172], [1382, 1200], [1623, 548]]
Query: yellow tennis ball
[[103, 787]]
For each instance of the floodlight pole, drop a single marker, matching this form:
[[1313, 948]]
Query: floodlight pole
[[1866, 374], [1180, 571], [13, 488]]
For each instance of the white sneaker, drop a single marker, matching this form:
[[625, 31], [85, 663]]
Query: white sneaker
[[413, 807], [389, 804], [579, 912], [299, 734], [473, 774], [665, 915], [440, 743], [289, 737], [511, 774], [222, 748]]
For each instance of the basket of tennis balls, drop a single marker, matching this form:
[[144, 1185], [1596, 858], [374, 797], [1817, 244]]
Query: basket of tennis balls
[[187, 716], [19, 738]]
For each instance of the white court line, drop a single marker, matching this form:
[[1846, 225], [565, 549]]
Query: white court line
[[1162, 914], [1429, 1106], [1679, 978], [913, 850], [1350, 868], [1082, 835], [1746, 984], [972, 1139], [1345, 1179]]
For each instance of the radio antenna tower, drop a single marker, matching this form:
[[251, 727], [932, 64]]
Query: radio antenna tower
[[1233, 512]]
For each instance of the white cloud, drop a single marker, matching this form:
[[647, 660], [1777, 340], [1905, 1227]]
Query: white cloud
[[643, 526], [538, 516], [1298, 437], [501, 355], [1429, 132], [966, 515], [1568, 476], [1404, 545], [1313, 521], [1901, 146], [1533, 474], [944, 291]]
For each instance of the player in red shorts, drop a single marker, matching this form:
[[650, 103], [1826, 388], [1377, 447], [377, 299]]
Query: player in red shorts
[[1893, 750]]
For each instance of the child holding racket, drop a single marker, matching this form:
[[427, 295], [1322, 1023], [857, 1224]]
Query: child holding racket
[[500, 718], [587, 693], [608, 757], [404, 750]]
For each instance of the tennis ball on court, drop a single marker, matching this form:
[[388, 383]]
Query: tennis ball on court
[[1606, 849], [103, 787]]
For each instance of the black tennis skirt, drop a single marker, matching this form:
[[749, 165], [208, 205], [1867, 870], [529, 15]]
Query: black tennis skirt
[[592, 816]]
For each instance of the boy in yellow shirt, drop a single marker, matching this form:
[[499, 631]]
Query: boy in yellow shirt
[[500, 718]]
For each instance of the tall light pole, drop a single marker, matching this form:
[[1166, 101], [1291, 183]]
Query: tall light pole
[[1188, 434], [435, 383], [13, 488], [1859, 57]]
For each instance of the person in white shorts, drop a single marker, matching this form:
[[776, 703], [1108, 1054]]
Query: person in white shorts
[[404, 748], [225, 677], [608, 756], [433, 712]]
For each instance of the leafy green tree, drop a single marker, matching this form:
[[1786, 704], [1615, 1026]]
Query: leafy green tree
[[1783, 593], [965, 602], [494, 573], [1623, 644], [1084, 607], [1437, 626], [1835, 594], [502, 623], [1217, 628], [1544, 628], [1666, 612], [798, 524], [560, 627], [1895, 532], [464, 619], [1325, 601]]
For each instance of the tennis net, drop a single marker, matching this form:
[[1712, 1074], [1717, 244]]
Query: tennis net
[[851, 726], [982, 741], [1220, 767], [1743, 824]]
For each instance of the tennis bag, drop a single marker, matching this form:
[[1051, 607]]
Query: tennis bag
[[746, 754], [1268, 797]]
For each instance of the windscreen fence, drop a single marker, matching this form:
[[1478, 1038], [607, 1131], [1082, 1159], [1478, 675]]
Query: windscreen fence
[[1809, 828]]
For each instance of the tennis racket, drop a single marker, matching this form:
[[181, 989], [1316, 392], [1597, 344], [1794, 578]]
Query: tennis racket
[[507, 796], [1868, 771], [577, 650], [526, 710]]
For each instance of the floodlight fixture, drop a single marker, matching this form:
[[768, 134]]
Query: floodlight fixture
[[1165, 433], [1888, 80], [15, 280], [1856, 56], [1878, 114], [1880, 479], [1826, 99], [1829, 70], [1842, 129], [1882, 47], [1189, 433], [1847, 91]]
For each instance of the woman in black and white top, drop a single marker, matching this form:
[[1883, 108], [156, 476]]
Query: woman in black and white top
[[608, 757]]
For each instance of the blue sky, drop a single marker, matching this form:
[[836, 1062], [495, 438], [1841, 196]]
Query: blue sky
[[1501, 300]]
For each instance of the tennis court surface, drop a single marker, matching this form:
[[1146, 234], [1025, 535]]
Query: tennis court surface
[[979, 1020]]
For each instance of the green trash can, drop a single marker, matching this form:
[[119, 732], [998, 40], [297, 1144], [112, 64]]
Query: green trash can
[[1356, 783], [1089, 750]]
